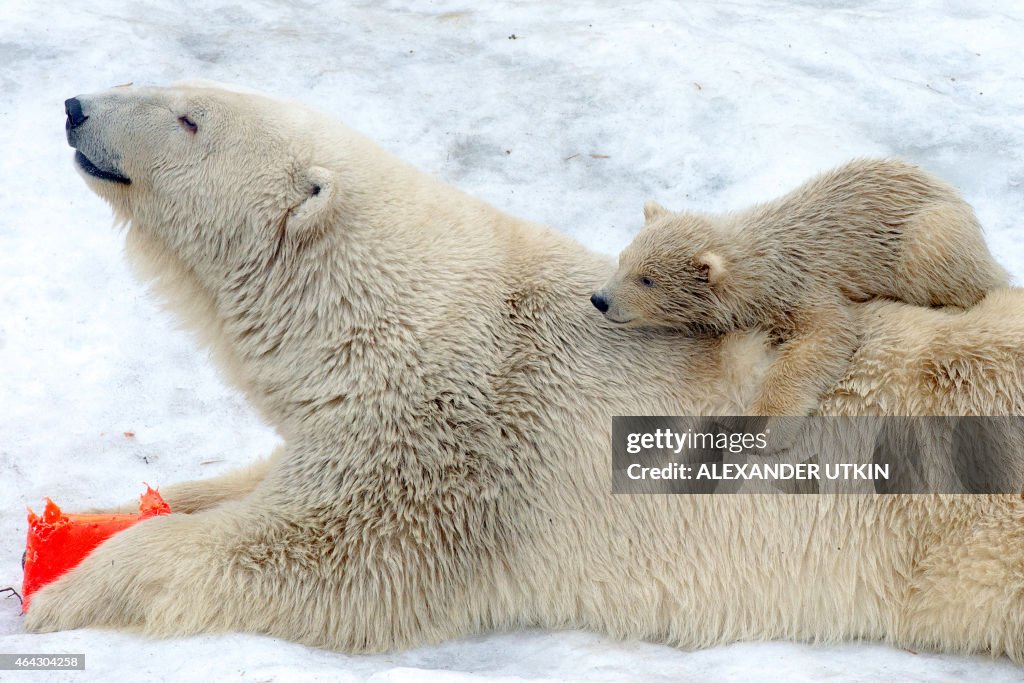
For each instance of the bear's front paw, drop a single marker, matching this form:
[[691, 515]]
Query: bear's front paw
[[102, 591], [76, 600], [115, 586], [45, 614]]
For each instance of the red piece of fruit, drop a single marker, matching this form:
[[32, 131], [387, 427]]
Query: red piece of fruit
[[58, 542]]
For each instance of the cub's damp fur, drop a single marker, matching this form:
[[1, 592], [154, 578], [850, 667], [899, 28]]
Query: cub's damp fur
[[794, 266]]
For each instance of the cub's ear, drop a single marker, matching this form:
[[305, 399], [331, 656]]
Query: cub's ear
[[312, 214], [711, 267], [653, 210]]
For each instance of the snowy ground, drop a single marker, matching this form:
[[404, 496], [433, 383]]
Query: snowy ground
[[570, 113]]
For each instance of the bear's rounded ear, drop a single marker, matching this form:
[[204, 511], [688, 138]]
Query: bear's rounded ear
[[711, 267], [312, 213], [653, 210]]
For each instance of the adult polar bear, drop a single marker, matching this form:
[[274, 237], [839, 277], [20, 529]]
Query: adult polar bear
[[444, 390]]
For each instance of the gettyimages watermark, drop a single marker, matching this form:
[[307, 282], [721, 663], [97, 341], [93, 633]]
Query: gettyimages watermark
[[824, 455]]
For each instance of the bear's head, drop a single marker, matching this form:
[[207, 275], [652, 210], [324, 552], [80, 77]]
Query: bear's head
[[671, 275], [218, 177]]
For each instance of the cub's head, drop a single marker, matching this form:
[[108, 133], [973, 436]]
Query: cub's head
[[670, 276], [216, 177]]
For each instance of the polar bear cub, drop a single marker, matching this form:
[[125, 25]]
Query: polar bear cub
[[867, 229]]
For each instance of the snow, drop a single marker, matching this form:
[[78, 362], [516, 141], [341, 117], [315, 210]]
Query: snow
[[590, 109]]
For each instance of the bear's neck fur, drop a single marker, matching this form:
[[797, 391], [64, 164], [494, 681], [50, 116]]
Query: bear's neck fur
[[394, 284], [767, 276], [748, 293]]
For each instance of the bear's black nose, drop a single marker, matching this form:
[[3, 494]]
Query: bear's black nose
[[600, 303], [75, 116]]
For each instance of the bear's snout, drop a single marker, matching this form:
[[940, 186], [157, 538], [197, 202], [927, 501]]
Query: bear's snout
[[600, 302], [73, 108], [93, 153]]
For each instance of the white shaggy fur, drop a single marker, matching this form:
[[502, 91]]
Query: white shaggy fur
[[871, 228], [445, 392]]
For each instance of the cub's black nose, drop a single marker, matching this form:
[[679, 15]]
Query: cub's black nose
[[600, 303], [75, 116]]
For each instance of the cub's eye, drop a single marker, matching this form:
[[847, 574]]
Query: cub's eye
[[188, 124], [646, 281]]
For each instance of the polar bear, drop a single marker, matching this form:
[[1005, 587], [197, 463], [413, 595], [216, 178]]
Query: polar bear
[[871, 228], [444, 392]]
